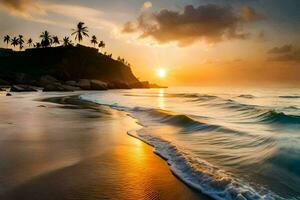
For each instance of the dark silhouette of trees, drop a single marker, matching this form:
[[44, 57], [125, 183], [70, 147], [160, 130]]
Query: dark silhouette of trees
[[37, 45], [46, 39], [122, 60], [67, 42], [29, 42], [101, 45], [20, 42], [55, 40], [14, 42], [6, 40], [80, 31], [94, 40]]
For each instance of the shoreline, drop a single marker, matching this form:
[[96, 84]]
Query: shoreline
[[131, 161], [76, 100]]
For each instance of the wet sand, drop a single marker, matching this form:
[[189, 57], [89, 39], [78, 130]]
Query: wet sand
[[77, 150]]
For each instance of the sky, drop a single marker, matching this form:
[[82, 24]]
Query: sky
[[197, 42]]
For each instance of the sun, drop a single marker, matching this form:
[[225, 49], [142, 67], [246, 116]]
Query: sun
[[161, 73]]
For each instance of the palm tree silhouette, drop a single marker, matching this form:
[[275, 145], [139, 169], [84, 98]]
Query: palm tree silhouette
[[21, 42], [67, 42], [46, 39], [37, 45], [15, 41], [94, 40], [80, 31], [29, 42], [6, 40], [55, 40], [101, 44]]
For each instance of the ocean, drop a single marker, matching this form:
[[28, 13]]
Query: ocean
[[228, 143]]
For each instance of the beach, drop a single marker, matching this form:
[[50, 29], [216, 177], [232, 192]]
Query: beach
[[65, 148]]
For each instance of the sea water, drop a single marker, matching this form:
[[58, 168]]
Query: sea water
[[229, 143]]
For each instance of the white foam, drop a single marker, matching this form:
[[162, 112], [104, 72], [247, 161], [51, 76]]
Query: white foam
[[201, 176]]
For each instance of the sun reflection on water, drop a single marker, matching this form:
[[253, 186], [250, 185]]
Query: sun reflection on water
[[161, 99]]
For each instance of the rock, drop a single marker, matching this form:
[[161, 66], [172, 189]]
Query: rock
[[22, 88], [72, 83], [46, 80], [153, 85], [58, 87], [8, 94], [5, 88], [98, 85], [118, 85], [84, 84], [70, 88], [136, 85]]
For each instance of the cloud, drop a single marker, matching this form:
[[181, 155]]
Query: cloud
[[147, 5], [283, 49], [248, 14], [129, 27], [285, 53], [46, 12], [23, 8], [92, 17], [210, 23]]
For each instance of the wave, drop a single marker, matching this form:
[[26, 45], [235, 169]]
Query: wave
[[258, 114], [200, 174], [187, 123], [271, 116], [247, 96], [287, 159], [290, 97]]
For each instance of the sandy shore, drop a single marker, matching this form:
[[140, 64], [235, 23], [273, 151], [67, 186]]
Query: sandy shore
[[64, 148]]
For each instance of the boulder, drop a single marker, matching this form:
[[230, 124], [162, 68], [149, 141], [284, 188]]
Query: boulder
[[118, 85], [98, 85], [46, 80], [70, 88], [23, 88], [153, 85], [84, 84], [72, 83], [58, 87], [53, 87]]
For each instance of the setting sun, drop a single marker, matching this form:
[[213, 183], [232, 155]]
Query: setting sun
[[161, 72]]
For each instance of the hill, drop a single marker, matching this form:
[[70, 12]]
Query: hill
[[65, 66]]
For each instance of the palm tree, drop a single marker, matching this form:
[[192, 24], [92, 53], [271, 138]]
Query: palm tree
[[37, 45], [21, 42], [6, 40], [94, 40], [15, 41], [29, 42], [101, 44], [80, 31], [55, 40], [46, 39], [67, 42]]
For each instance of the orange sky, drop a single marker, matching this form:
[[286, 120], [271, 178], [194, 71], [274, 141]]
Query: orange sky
[[197, 42]]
